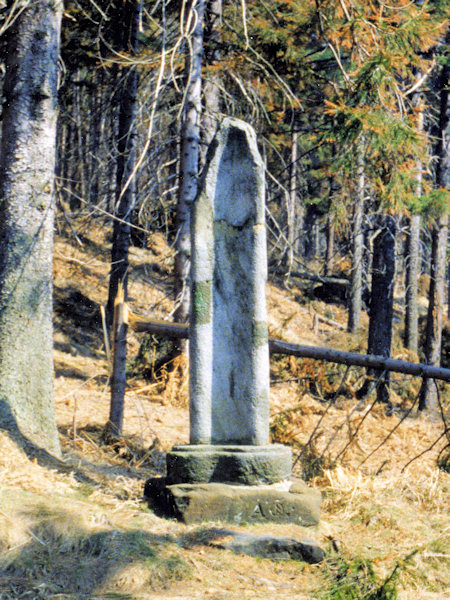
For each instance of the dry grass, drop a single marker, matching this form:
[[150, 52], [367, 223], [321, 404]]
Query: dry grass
[[81, 531]]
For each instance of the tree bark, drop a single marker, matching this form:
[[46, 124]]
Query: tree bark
[[382, 297], [413, 268], [189, 162], [113, 428], [330, 245], [293, 225], [211, 89], [355, 297], [436, 302], [437, 291], [128, 14], [27, 166], [412, 278]]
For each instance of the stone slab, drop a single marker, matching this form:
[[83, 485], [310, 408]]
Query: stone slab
[[247, 465], [285, 502], [274, 547]]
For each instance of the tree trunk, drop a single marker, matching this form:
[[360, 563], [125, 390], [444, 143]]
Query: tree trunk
[[330, 226], [211, 90], [412, 278], [355, 299], [96, 138], [330, 244], [113, 428], [189, 163], [382, 297], [27, 165], [436, 294], [292, 210], [436, 302], [413, 267], [128, 13]]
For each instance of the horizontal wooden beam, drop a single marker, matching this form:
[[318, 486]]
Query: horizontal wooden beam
[[370, 361]]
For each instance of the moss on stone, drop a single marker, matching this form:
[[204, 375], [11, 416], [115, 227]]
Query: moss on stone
[[202, 300], [260, 333]]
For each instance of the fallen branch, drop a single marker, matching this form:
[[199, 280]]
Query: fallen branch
[[361, 360], [318, 317], [370, 361], [320, 278]]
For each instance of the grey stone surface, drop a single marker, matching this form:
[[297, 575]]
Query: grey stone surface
[[271, 546], [249, 465], [229, 356], [193, 503]]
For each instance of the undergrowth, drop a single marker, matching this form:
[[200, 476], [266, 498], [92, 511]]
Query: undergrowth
[[356, 580]]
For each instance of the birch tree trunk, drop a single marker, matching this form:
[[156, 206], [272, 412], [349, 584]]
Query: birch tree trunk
[[189, 161], [437, 292], [27, 165]]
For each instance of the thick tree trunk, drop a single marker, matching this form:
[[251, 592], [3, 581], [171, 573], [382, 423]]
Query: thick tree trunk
[[382, 297], [189, 163], [27, 164], [128, 13], [355, 298], [437, 292]]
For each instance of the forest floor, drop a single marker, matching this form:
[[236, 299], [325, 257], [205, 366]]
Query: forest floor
[[82, 530]]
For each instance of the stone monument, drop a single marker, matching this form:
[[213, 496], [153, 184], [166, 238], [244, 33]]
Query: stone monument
[[230, 471]]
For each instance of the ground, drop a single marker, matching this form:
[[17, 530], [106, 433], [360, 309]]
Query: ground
[[82, 531]]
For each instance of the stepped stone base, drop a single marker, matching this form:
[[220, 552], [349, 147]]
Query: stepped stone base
[[247, 465], [284, 502]]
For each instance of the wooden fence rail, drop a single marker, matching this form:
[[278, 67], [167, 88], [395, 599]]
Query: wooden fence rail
[[179, 331]]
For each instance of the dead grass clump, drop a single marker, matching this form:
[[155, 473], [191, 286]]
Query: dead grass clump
[[389, 519], [169, 381], [17, 470]]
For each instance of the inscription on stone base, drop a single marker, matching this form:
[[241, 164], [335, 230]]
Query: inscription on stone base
[[289, 502]]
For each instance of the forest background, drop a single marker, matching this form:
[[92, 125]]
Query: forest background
[[350, 104]]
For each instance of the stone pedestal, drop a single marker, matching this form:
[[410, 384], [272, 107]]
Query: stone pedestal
[[247, 465], [285, 502]]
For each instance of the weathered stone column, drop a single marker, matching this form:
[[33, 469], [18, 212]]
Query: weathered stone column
[[229, 354], [230, 471]]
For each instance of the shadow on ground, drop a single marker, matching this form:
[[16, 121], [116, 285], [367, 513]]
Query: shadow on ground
[[63, 559]]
